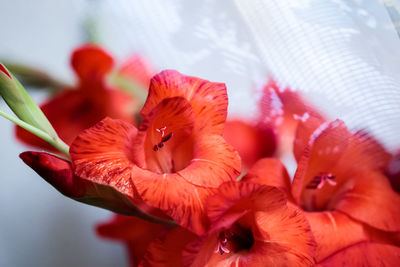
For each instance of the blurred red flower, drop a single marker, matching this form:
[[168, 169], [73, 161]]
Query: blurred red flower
[[136, 233], [92, 99]]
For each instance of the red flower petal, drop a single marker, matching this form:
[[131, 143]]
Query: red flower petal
[[167, 251], [200, 93], [214, 162], [235, 198], [252, 142], [270, 171], [138, 69], [334, 231], [304, 131], [364, 254], [101, 154], [289, 236], [366, 151], [90, 61], [138, 234], [179, 198], [371, 193]]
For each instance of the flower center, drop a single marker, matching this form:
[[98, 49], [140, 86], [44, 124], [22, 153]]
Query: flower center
[[320, 180], [234, 239]]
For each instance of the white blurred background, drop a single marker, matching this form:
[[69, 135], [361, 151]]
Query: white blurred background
[[344, 55]]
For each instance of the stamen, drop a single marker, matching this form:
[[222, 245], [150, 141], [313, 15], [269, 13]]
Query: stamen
[[319, 181], [162, 158], [166, 138], [223, 242], [162, 130]]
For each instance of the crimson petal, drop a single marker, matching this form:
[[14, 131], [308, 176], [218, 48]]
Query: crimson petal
[[90, 61], [200, 93]]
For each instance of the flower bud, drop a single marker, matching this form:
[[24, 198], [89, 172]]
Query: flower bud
[[21, 103]]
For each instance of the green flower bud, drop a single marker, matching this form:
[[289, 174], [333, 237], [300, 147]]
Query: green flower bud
[[21, 103]]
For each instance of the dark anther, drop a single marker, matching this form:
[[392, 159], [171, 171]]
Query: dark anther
[[167, 137], [163, 140], [314, 182]]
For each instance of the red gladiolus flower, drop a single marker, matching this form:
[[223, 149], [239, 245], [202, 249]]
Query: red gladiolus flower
[[79, 108], [253, 142], [175, 158], [339, 182], [251, 225]]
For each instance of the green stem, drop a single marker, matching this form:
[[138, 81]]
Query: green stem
[[56, 142]]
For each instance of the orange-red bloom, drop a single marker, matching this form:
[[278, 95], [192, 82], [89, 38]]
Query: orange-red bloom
[[339, 182], [175, 158], [92, 99], [251, 225]]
